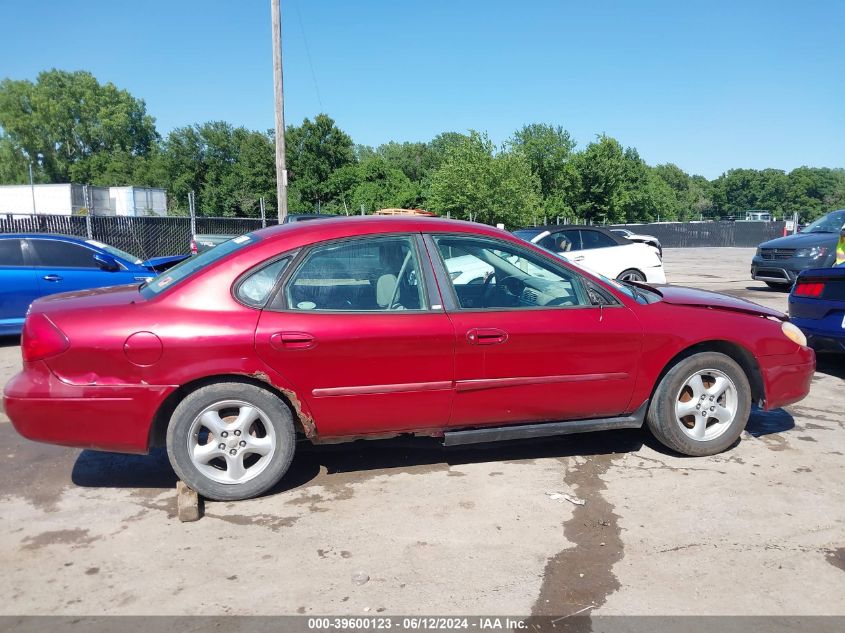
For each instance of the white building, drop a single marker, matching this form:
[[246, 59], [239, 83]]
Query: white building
[[70, 198]]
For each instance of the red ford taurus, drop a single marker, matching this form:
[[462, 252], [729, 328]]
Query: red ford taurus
[[371, 327]]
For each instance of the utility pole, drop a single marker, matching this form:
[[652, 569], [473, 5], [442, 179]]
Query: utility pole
[[281, 170], [32, 188]]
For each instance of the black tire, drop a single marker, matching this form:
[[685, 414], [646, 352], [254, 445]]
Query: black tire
[[776, 286], [632, 274], [271, 411], [662, 417]]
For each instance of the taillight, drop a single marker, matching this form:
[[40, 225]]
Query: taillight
[[41, 338], [194, 249], [809, 289]]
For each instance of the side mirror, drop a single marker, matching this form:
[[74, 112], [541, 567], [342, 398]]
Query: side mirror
[[106, 262]]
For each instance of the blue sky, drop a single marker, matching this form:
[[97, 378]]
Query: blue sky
[[706, 85]]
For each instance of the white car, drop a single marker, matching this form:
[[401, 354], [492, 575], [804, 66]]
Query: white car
[[640, 237], [599, 250]]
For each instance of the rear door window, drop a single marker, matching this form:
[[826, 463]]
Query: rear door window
[[11, 253], [362, 275], [58, 254], [595, 239]]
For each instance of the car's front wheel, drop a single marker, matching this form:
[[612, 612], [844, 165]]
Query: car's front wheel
[[231, 441], [701, 405]]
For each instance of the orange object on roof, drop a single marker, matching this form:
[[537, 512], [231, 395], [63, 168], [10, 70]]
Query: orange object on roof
[[416, 212]]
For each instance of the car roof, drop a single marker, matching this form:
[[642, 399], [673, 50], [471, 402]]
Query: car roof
[[557, 228], [52, 236], [349, 226]]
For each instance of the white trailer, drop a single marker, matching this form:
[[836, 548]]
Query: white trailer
[[71, 199]]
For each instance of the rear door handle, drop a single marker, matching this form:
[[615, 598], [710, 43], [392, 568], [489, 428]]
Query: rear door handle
[[292, 340], [52, 277], [486, 336], [580, 258]]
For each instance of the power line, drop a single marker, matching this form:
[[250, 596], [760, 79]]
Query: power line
[[308, 55]]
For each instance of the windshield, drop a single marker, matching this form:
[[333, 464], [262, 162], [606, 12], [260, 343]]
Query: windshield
[[830, 223], [111, 250], [192, 265], [528, 234]]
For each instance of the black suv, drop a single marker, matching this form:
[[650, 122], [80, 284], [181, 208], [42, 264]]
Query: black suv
[[779, 261]]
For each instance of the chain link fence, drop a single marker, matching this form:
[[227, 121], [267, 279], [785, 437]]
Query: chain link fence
[[692, 234], [142, 236]]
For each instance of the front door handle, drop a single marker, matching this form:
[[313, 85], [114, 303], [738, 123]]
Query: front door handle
[[292, 340], [486, 336], [52, 277], [580, 258]]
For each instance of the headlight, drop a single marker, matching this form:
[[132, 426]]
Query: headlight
[[759, 252], [812, 252], [794, 334]]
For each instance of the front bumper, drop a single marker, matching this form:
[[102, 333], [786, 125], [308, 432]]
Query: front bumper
[[110, 418], [655, 275], [786, 379], [783, 271]]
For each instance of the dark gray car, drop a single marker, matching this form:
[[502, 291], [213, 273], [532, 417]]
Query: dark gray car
[[779, 261]]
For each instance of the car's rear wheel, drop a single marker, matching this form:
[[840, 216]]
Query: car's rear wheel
[[701, 405], [231, 441], [631, 275]]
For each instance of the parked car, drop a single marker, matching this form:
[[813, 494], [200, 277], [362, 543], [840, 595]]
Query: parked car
[[817, 306], [640, 237], [354, 329], [203, 242], [34, 265], [599, 250], [778, 262]]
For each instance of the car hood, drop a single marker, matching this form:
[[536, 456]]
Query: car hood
[[679, 295], [800, 240], [160, 264], [88, 299]]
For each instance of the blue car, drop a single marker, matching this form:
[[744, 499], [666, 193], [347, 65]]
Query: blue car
[[35, 265], [817, 306]]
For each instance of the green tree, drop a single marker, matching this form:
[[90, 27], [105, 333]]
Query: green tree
[[64, 120], [315, 150], [692, 193], [473, 182], [547, 148], [379, 185], [739, 190], [228, 168]]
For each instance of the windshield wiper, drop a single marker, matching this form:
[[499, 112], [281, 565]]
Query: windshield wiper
[[639, 293]]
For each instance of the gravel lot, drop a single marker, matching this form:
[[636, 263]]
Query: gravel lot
[[758, 530]]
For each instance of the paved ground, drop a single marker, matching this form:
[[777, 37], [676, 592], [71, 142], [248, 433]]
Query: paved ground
[[757, 530]]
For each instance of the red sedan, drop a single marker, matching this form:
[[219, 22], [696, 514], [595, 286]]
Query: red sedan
[[371, 327]]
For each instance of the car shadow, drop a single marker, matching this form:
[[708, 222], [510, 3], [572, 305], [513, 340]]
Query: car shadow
[[768, 422], [362, 458], [323, 464], [831, 363], [773, 291], [98, 469], [10, 340]]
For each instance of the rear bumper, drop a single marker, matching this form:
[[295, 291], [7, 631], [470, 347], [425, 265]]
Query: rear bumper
[[830, 337], [110, 418], [787, 379]]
